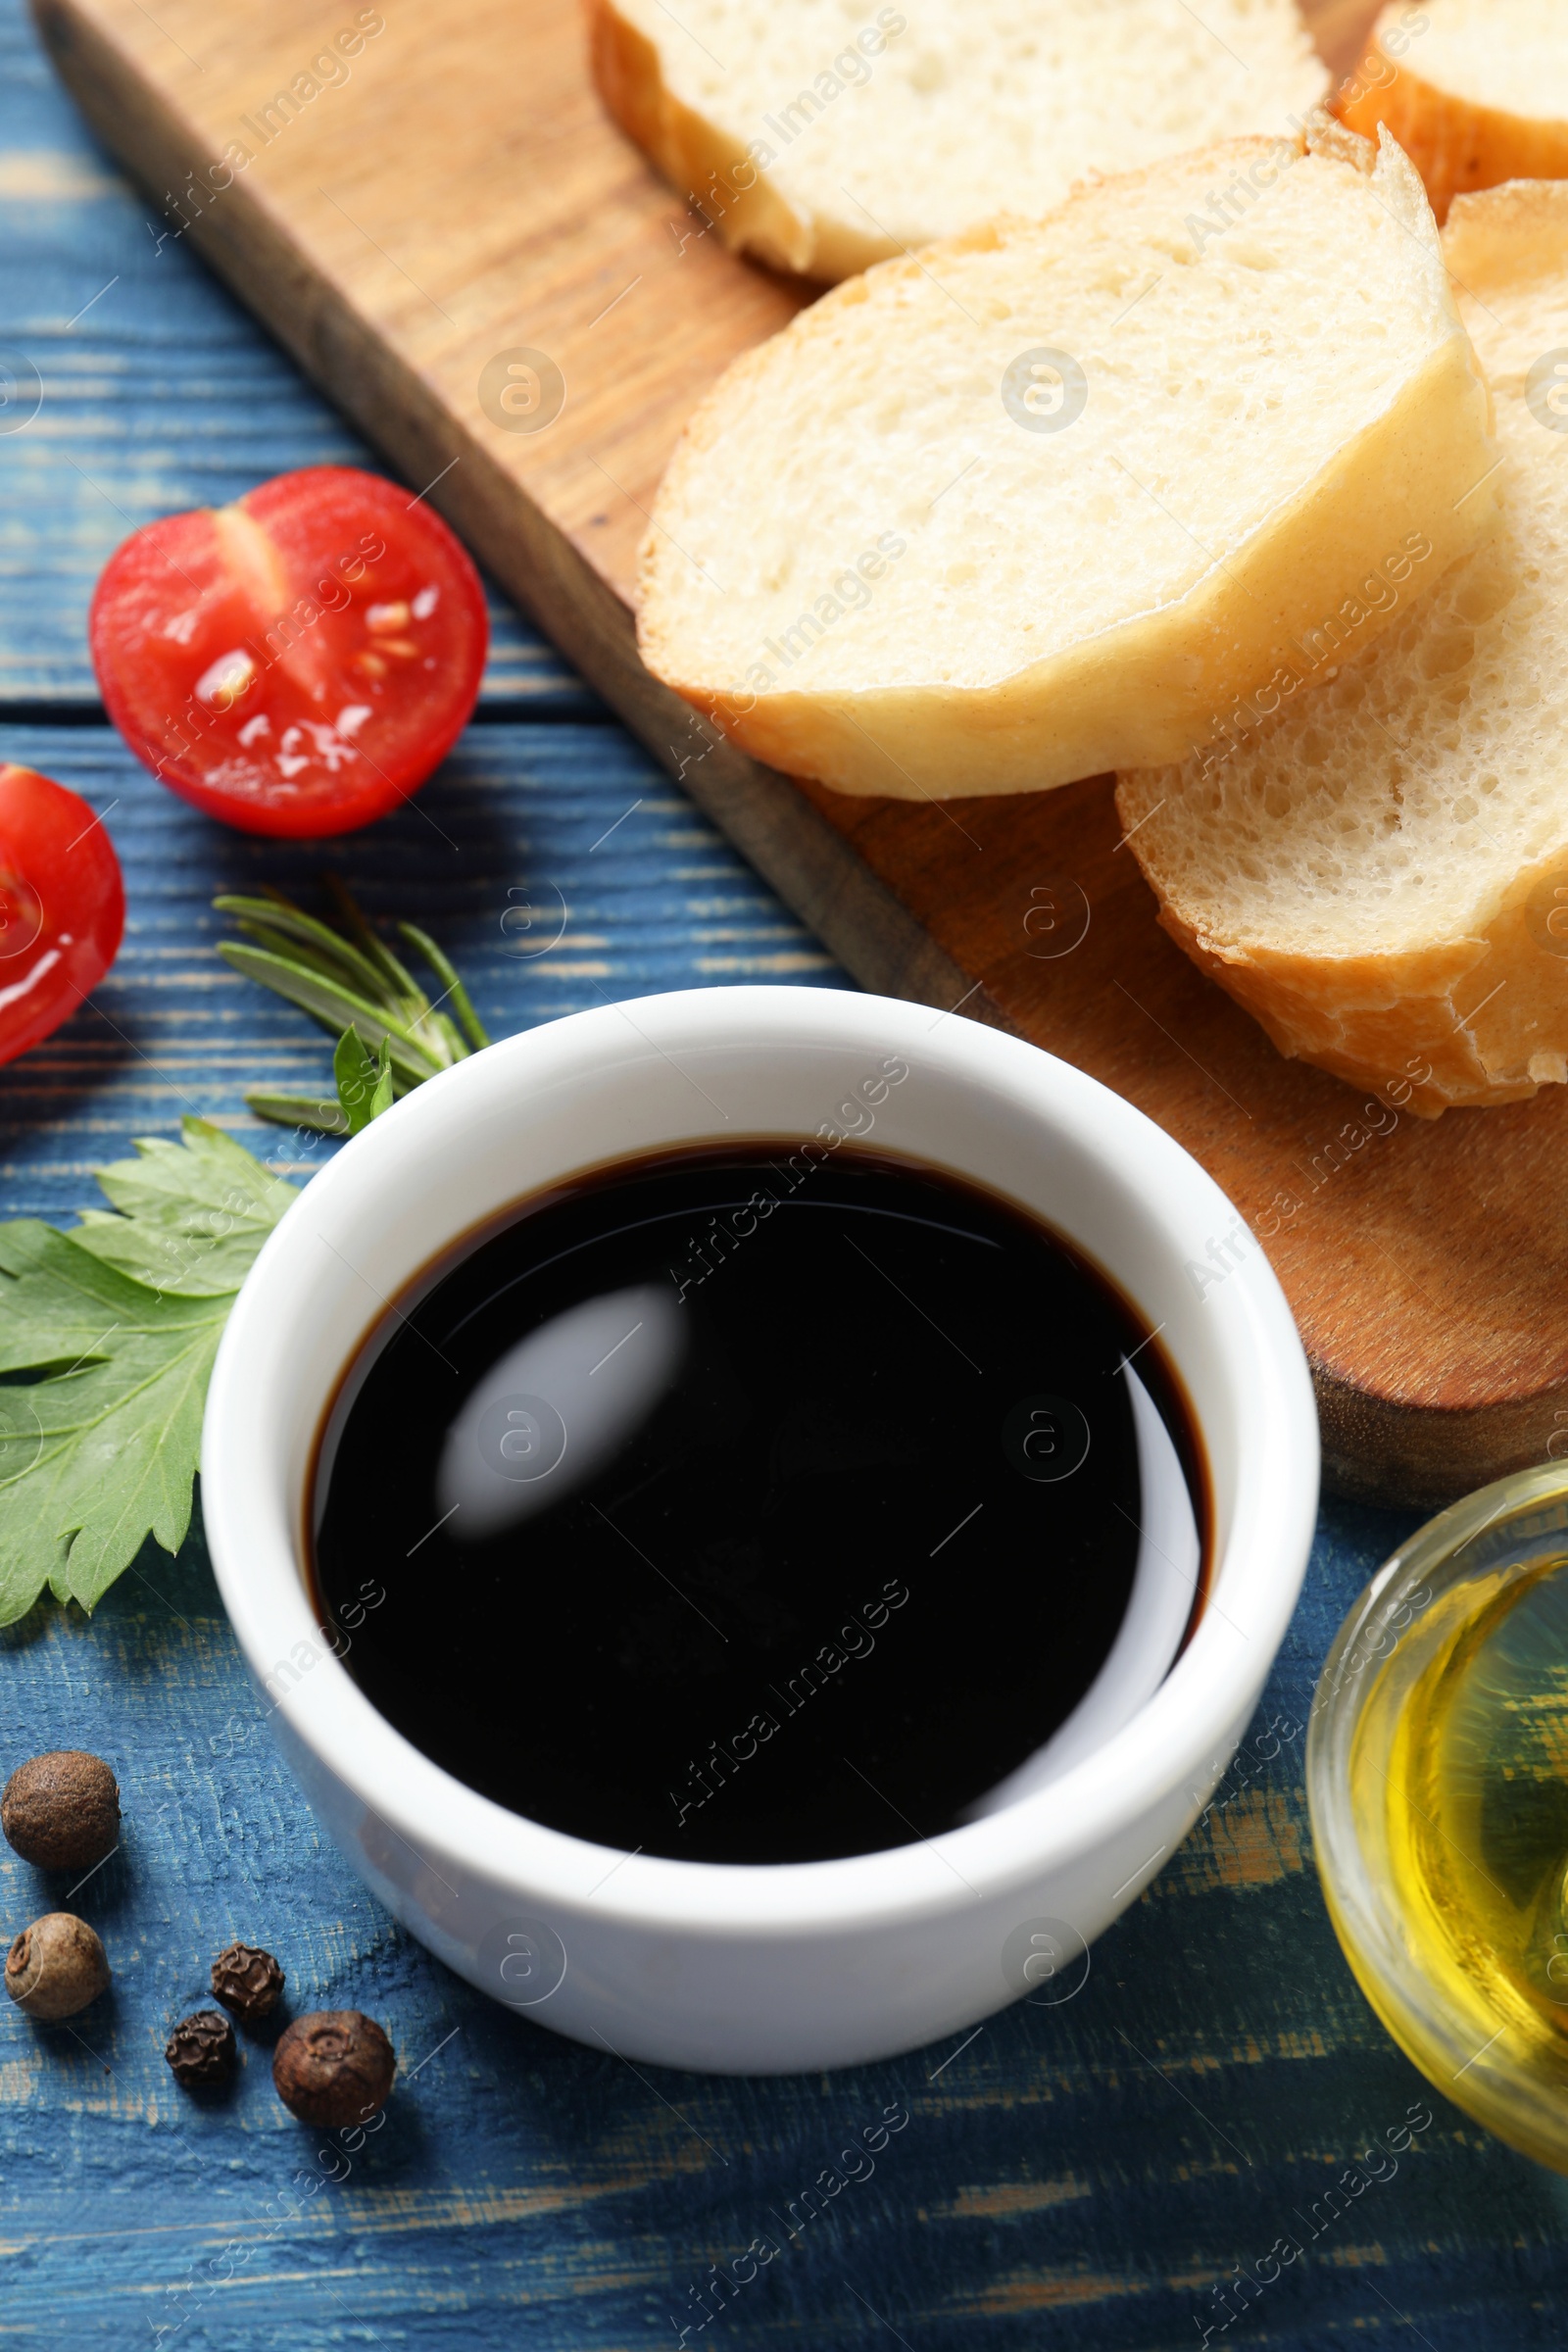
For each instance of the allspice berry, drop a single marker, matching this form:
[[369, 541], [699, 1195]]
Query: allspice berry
[[201, 2050], [62, 1811], [333, 2067], [248, 1980], [56, 1967]]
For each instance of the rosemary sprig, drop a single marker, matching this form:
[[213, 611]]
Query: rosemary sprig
[[391, 1034]]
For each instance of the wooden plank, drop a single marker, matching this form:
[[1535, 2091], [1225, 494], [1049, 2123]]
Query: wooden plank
[[554, 863], [158, 393], [397, 231]]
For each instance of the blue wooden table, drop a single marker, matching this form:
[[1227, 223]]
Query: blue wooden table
[[1123, 2170]]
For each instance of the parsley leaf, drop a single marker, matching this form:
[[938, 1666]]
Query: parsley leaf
[[118, 1323], [193, 1214]]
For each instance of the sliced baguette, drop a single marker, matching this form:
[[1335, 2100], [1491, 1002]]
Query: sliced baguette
[[1380, 872], [1476, 91], [823, 135], [868, 569]]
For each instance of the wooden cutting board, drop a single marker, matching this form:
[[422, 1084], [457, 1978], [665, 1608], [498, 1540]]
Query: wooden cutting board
[[452, 194]]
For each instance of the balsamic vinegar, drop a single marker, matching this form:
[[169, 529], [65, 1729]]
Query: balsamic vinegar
[[747, 1504]]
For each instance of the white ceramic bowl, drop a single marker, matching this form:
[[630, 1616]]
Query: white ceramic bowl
[[735, 1968]]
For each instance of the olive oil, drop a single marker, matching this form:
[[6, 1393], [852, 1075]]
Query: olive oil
[[1473, 1814]]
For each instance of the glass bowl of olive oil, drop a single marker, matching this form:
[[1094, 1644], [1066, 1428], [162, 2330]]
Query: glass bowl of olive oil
[[1438, 1780]]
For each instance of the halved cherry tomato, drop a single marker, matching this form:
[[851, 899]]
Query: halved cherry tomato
[[297, 662], [61, 907]]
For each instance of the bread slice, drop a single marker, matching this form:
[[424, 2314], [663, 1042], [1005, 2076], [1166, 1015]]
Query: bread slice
[[1476, 91], [823, 135], [888, 555], [1380, 872]]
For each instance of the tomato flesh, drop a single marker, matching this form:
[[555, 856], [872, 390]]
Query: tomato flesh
[[298, 662], [61, 907]]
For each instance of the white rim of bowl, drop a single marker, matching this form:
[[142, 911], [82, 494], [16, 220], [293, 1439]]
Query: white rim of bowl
[[1178, 1737]]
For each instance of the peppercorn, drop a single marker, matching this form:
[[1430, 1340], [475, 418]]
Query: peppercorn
[[333, 2067], [62, 1811], [248, 1980], [201, 2050], [56, 1967]]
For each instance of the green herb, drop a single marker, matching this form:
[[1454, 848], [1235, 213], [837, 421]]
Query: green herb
[[349, 980], [191, 1216], [115, 1326], [108, 1333], [364, 1080]]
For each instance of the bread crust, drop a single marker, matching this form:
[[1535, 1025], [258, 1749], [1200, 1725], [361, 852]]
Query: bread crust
[[710, 166], [710, 169], [1475, 1020], [1455, 145], [1144, 692], [1447, 1025]]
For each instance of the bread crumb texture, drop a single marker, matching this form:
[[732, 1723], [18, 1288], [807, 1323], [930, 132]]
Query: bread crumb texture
[[1031, 504], [1379, 870], [877, 127]]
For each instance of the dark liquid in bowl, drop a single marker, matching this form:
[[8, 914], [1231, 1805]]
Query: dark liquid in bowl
[[743, 1505]]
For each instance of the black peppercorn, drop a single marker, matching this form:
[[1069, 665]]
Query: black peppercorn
[[248, 1980], [62, 1811], [56, 1967], [201, 2050], [333, 2067]]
